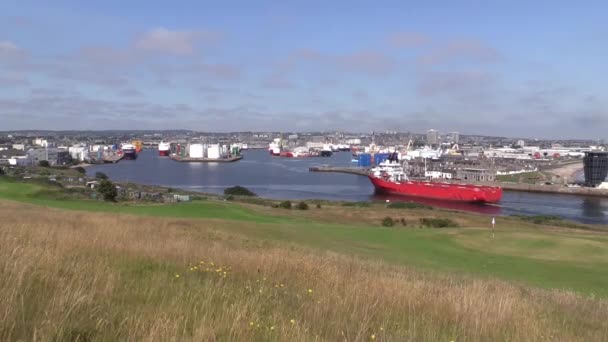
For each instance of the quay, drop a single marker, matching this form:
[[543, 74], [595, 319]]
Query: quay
[[205, 160], [112, 158], [547, 188]]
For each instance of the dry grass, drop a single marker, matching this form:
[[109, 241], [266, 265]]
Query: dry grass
[[85, 276]]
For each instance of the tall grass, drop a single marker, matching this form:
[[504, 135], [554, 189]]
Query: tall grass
[[91, 276]]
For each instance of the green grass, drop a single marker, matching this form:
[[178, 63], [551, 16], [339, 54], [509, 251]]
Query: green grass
[[537, 257], [526, 177], [55, 198]]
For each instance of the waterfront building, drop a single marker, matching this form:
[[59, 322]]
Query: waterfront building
[[595, 167], [55, 156], [476, 175]]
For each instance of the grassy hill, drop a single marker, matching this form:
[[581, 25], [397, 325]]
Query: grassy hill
[[212, 270]]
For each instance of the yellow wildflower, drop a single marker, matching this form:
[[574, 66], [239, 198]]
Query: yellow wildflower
[[293, 321], [282, 285], [373, 337], [272, 328], [309, 290], [250, 324], [177, 276]]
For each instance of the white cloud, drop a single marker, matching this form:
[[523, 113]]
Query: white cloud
[[10, 51], [8, 47], [173, 41]]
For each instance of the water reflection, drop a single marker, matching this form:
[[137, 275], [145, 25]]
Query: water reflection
[[480, 208], [592, 207]]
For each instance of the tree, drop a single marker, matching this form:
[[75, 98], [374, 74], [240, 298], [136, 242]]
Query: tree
[[302, 206], [80, 169], [101, 175], [44, 163], [1, 171], [239, 191], [108, 190]]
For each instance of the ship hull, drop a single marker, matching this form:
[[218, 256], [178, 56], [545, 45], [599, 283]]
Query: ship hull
[[439, 191], [130, 155], [163, 153], [326, 153]]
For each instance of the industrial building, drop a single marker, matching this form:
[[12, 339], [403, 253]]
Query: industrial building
[[595, 167], [54, 156]]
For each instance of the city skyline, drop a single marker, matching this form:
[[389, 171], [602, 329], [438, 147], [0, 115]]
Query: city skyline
[[517, 69]]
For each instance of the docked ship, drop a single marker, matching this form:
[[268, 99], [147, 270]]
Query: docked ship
[[326, 151], [389, 178], [138, 145], [128, 151], [298, 152], [274, 148], [164, 149]]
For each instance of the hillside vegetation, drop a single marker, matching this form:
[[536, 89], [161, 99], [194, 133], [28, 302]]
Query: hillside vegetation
[[213, 270]]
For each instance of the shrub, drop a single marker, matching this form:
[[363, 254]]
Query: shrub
[[229, 198], [388, 222], [318, 205], [285, 205], [550, 220], [239, 191], [403, 222], [108, 190], [408, 205], [80, 170], [438, 222], [302, 206], [101, 175], [44, 163]]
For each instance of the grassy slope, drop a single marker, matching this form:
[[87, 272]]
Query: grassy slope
[[541, 258], [97, 277]]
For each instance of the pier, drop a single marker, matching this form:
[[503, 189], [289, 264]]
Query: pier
[[206, 160], [351, 170]]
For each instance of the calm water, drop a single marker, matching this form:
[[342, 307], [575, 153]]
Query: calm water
[[289, 178]]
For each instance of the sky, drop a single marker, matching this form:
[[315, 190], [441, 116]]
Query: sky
[[534, 69]]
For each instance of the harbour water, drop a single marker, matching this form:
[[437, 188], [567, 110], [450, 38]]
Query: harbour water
[[289, 178]]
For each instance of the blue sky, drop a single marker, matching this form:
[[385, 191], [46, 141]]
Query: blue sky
[[513, 68]]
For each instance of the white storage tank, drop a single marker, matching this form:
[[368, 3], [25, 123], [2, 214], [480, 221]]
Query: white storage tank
[[196, 151], [213, 152]]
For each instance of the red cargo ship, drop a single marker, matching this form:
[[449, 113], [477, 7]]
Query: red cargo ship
[[390, 178]]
